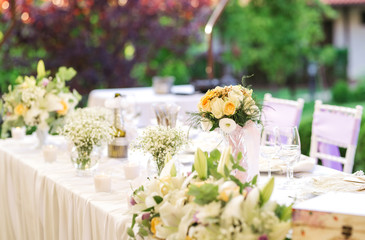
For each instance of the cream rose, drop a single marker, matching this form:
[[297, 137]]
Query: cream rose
[[217, 107]]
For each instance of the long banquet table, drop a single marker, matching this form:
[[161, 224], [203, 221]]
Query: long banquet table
[[42, 200]]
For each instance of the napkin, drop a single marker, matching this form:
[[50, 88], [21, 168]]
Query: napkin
[[341, 182], [305, 164]]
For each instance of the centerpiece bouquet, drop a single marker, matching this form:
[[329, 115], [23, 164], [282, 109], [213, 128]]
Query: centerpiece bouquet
[[40, 101], [233, 110], [88, 129], [160, 142], [210, 203]]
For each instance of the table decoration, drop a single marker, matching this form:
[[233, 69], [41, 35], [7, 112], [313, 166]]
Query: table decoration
[[118, 148], [159, 141], [18, 133], [102, 182], [210, 203], [50, 153], [233, 110], [131, 170], [88, 129], [39, 101]]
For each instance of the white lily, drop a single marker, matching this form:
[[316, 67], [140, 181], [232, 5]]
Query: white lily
[[250, 204], [225, 160]]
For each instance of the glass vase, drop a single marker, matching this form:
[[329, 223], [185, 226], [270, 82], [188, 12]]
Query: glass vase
[[85, 159], [155, 165], [236, 140], [42, 135]]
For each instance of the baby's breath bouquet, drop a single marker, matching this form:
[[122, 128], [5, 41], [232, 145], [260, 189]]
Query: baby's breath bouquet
[[39, 101], [159, 141], [88, 129]]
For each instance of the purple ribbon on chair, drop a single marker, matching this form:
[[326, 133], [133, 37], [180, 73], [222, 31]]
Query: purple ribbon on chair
[[280, 115], [334, 127]]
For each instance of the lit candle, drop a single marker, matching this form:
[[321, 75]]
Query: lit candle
[[50, 153], [18, 133], [102, 182], [131, 170]]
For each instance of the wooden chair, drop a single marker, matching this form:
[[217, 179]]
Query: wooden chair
[[334, 127], [281, 112]]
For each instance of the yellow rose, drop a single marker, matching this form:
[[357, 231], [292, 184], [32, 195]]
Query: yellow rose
[[229, 108], [217, 105], [64, 109], [20, 109], [154, 222]]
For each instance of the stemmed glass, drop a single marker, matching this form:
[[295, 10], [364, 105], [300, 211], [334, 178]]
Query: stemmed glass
[[289, 150], [269, 145]]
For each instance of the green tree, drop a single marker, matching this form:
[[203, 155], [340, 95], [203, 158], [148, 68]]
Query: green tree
[[273, 36]]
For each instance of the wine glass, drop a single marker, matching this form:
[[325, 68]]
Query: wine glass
[[289, 150], [269, 145]]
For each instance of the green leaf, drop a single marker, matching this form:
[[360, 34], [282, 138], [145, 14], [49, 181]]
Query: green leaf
[[204, 194], [66, 74], [284, 212], [130, 232], [142, 231], [146, 223], [266, 192], [215, 155], [158, 199], [239, 157], [254, 180], [226, 171]]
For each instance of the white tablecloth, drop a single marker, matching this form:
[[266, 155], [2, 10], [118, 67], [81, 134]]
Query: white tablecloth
[[42, 200], [144, 98]]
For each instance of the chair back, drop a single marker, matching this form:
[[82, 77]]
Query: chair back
[[281, 112], [335, 127]]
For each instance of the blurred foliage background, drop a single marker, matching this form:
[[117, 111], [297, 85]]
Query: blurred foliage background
[[124, 43]]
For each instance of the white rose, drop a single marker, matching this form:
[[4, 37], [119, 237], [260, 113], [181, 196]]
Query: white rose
[[235, 96], [227, 125], [217, 105]]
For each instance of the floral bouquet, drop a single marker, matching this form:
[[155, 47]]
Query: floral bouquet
[[226, 107], [159, 141], [40, 101], [88, 129], [233, 110], [210, 203]]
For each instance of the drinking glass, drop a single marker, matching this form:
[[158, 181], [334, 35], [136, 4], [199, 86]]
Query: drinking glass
[[269, 145], [289, 150]]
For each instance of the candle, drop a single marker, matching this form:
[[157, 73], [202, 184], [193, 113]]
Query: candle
[[131, 170], [50, 153], [102, 182], [18, 133]]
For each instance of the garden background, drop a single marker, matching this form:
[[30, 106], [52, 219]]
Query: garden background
[[124, 43]]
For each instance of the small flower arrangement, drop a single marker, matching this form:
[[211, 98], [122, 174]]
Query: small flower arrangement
[[87, 128], [159, 141], [40, 101], [226, 107], [210, 203]]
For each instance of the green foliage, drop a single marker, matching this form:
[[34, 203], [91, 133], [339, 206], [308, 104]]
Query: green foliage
[[204, 194], [359, 163], [358, 93], [340, 92], [274, 35]]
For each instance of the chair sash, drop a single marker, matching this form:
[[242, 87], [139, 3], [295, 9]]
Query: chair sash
[[335, 127], [281, 115]]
